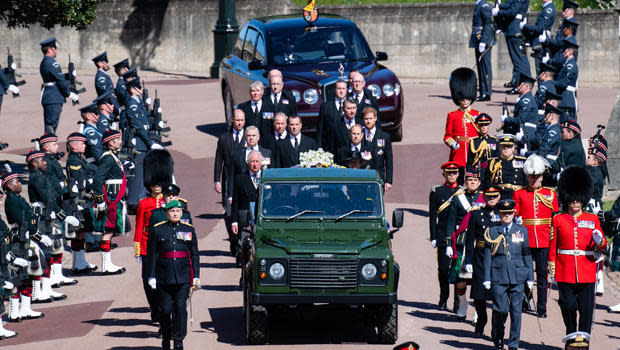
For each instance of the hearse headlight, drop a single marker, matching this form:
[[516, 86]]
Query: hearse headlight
[[311, 96], [397, 89], [297, 95], [375, 89], [388, 90]]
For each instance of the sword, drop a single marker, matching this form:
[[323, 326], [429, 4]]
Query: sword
[[531, 296], [482, 55], [191, 314]]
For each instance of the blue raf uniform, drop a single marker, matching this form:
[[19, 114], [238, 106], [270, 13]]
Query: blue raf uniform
[[555, 45], [507, 265], [119, 89], [513, 12], [94, 146], [105, 121], [544, 22], [566, 83], [548, 141], [526, 112], [4, 85], [103, 82], [545, 86], [482, 37], [55, 88]]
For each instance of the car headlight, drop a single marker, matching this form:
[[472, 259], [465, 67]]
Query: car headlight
[[369, 271], [311, 96], [388, 90], [397, 89], [276, 271], [297, 95], [376, 91]]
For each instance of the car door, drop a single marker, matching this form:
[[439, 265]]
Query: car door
[[242, 72]]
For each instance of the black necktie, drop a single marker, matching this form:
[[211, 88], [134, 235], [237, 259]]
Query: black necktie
[[254, 108], [506, 230], [339, 106], [296, 143], [235, 137]]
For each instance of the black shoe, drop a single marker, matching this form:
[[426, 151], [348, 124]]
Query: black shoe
[[479, 331], [165, 344], [499, 344], [178, 345], [158, 336], [484, 98], [513, 91], [461, 318], [117, 272], [84, 271], [542, 315], [442, 305], [510, 84]]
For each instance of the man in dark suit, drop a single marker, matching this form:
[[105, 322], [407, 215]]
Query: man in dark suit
[[380, 141], [240, 157], [276, 99], [246, 189], [330, 112], [356, 145], [288, 150], [279, 133], [341, 127], [253, 109], [362, 96]]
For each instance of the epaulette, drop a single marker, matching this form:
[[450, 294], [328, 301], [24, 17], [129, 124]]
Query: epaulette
[[475, 208], [159, 223], [75, 167], [550, 188], [520, 158], [182, 199], [435, 187], [185, 223]]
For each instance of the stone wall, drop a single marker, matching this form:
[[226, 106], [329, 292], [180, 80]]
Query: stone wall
[[422, 40]]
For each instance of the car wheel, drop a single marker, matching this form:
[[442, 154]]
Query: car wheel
[[397, 135], [228, 105], [256, 324], [387, 323]]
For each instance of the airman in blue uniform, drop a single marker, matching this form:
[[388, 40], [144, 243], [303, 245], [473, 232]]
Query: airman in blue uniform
[[6, 86], [513, 12], [566, 80], [94, 146], [103, 82], [544, 22], [481, 40], [546, 84], [526, 110], [548, 140], [105, 110]]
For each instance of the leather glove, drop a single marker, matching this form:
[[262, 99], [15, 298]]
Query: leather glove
[[481, 47], [434, 243], [454, 145], [20, 262], [597, 236], [196, 283], [495, 10], [156, 146], [74, 97], [487, 284], [14, 89], [152, 282], [7, 285], [72, 220], [543, 37], [449, 252], [519, 135], [530, 285], [102, 206], [523, 23], [469, 268], [46, 240], [546, 58], [519, 220], [136, 249]]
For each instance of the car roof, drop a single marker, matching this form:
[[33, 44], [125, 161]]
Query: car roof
[[279, 22], [319, 174]]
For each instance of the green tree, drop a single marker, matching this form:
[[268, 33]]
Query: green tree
[[48, 13]]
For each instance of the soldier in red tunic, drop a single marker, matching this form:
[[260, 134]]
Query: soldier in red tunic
[[536, 206], [576, 240], [461, 123]]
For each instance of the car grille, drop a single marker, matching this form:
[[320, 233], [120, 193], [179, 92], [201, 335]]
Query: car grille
[[323, 273], [329, 92]]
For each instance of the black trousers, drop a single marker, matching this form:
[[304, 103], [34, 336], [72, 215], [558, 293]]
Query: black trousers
[[173, 310], [135, 184], [485, 72], [577, 297], [151, 295], [481, 310], [51, 117], [443, 274], [541, 259]]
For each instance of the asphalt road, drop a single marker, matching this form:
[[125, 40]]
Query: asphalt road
[[110, 312]]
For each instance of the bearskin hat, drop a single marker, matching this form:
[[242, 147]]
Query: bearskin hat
[[511, 126], [463, 84], [158, 168], [575, 184]]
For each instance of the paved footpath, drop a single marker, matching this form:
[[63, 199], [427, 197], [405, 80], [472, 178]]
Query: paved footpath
[[110, 312]]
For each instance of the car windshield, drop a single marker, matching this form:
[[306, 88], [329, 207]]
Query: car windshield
[[321, 200], [314, 45]]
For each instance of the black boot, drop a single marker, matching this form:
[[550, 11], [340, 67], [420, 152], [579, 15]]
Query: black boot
[[178, 345], [165, 344]]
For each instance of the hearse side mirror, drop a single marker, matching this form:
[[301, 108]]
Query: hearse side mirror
[[381, 56], [397, 218], [255, 65]]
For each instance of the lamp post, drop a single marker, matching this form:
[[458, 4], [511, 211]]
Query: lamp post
[[224, 34]]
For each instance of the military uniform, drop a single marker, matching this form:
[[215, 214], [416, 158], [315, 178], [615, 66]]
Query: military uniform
[[507, 265], [526, 112], [55, 88], [94, 144], [544, 22], [506, 174], [460, 127], [481, 150], [548, 141], [512, 12], [482, 37], [566, 83], [174, 263]]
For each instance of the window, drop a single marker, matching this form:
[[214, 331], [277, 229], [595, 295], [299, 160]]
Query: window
[[239, 44], [260, 49], [248, 45]]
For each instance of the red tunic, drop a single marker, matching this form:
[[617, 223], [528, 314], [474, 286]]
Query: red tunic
[[143, 214], [536, 208], [574, 233], [460, 127]]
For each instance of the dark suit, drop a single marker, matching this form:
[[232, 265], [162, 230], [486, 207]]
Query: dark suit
[[328, 116], [268, 141], [243, 194], [345, 152], [383, 157], [252, 118], [286, 105], [240, 165], [224, 152], [287, 156], [368, 100], [340, 134]]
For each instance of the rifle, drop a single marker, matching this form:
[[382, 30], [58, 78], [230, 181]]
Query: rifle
[[158, 129], [71, 77], [146, 98], [10, 71], [504, 112]]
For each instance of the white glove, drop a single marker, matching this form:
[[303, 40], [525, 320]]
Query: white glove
[[7, 285], [139, 259], [597, 236], [519, 135], [481, 47], [434, 243], [523, 23], [530, 285], [487, 284], [20, 262], [543, 37], [102, 206], [449, 252], [148, 101], [546, 58], [454, 145], [14, 89], [74, 97], [196, 283], [469, 268], [519, 220], [80, 208], [495, 10], [503, 117], [522, 152], [46, 240], [152, 282], [72, 220], [53, 215], [75, 189], [156, 146]]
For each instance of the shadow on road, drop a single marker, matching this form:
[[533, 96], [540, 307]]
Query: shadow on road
[[215, 129], [226, 265], [208, 216], [214, 253], [221, 288], [537, 346], [120, 322], [135, 348], [136, 334], [140, 310], [418, 212]]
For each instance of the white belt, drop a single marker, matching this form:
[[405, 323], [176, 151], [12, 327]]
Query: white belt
[[49, 84], [571, 88], [541, 112], [575, 252], [113, 182], [91, 159], [519, 16], [531, 125], [121, 108], [552, 157]]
